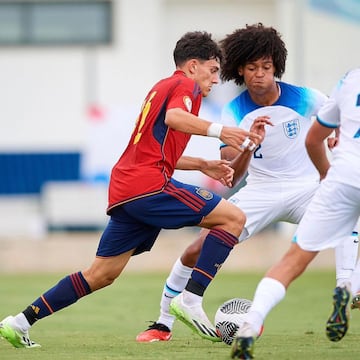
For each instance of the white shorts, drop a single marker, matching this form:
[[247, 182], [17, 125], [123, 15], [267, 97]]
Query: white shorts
[[331, 216], [265, 204]]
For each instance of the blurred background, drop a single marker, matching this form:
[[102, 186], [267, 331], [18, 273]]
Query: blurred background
[[73, 76]]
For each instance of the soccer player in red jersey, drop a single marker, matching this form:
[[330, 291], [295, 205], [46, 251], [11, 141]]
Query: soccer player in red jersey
[[143, 196]]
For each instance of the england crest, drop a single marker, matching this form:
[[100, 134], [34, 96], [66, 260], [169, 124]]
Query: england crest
[[291, 128]]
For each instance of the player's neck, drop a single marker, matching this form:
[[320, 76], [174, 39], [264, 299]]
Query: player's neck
[[269, 98]]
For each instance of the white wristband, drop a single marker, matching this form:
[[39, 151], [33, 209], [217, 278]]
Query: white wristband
[[252, 147], [214, 130], [245, 143]]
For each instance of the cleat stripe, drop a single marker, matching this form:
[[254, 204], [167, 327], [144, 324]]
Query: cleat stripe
[[204, 329]]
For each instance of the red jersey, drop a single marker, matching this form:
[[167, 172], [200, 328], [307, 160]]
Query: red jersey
[[149, 160]]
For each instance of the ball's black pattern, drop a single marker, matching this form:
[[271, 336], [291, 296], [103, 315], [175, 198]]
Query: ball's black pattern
[[228, 318]]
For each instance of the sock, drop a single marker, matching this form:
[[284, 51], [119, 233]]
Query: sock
[[216, 248], [21, 322], [346, 255], [269, 293], [66, 292], [355, 280], [175, 284]]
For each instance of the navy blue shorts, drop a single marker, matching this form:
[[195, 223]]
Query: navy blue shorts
[[136, 224]]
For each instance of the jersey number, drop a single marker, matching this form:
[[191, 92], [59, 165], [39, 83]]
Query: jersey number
[[257, 154], [357, 134], [142, 117]]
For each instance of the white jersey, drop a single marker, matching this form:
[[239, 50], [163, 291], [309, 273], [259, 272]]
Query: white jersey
[[343, 110], [282, 179], [335, 208], [281, 156]]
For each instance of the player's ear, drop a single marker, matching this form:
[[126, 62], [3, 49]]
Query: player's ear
[[193, 66], [240, 70]]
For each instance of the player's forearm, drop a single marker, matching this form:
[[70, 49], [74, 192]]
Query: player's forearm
[[317, 154], [240, 165], [239, 139], [181, 120], [315, 147], [239, 161], [190, 163]]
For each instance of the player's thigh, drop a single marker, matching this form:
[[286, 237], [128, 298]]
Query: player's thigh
[[177, 206], [124, 233], [226, 216], [297, 197], [261, 205], [331, 216]]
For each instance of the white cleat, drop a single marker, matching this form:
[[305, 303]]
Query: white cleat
[[14, 335], [194, 317]]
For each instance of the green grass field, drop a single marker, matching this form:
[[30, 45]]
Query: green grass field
[[105, 324]]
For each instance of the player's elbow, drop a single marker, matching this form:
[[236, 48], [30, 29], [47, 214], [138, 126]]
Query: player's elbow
[[311, 142]]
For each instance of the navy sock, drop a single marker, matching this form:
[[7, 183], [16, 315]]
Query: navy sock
[[215, 250], [66, 292]]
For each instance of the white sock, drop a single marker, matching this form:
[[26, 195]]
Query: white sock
[[355, 279], [346, 255], [21, 322], [269, 293], [175, 284]]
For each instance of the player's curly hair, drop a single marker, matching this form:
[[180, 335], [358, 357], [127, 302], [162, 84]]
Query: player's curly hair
[[196, 45], [251, 44]]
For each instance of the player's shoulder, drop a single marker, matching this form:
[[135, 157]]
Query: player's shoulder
[[294, 93], [352, 72], [350, 76], [235, 110], [178, 77], [178, 83], [299, 90], [241, 102]]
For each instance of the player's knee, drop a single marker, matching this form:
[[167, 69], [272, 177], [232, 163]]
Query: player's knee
[[242, 220], [237, 222], [97, 280]]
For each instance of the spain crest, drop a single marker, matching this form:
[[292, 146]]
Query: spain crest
[[291, 128], [205, 194], [187, 103]]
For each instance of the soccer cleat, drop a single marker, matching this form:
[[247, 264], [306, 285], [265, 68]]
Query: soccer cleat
[[194, 317], [155, 332], [338, 322], [15, 336], [355, 304], [243, 345]]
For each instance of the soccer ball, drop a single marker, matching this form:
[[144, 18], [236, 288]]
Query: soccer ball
[[229, 317]]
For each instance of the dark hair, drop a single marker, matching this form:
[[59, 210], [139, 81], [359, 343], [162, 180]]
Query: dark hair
[[251, 44], [196, 45]]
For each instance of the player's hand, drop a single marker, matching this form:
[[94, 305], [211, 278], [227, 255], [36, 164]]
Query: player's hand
[[332, 142], [219, 170], [258, 126], [240, 139]]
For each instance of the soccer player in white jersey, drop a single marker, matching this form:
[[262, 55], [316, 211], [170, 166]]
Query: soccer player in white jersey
[[331, 215], [282, 179]]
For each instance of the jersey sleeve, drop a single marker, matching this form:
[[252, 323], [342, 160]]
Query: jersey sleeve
[[329, 113], [319, 98], [183, 97]]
